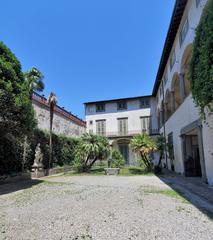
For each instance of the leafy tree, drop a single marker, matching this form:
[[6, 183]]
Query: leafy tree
[[16, 111], [90, 148], [117, 159], [52, 101], [201, 66], [144, 145], [34, 80]]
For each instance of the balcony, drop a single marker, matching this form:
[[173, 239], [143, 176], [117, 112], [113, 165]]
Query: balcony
[[129, 133]]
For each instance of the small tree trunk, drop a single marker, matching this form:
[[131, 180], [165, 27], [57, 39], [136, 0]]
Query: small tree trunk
[[50, 140], [24, 153]]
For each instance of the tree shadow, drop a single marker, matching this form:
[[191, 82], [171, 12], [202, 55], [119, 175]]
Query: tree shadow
[[6, 188], [204, 205], [138, 171]]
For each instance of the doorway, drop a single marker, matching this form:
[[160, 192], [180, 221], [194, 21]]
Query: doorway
[[192, 156], [124, 150]]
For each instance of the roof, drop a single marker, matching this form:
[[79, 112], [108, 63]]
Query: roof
[[118, 99], [57, 109], [170, 38]]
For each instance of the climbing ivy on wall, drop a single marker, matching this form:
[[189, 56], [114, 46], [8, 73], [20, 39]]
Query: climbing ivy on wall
[[201, 66]]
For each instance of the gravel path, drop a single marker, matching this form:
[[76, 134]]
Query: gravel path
[[100, 208]]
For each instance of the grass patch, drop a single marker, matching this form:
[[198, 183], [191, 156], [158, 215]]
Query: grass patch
[[177, 194], [99, 171]]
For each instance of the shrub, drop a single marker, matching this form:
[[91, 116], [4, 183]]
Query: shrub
[[117, 159], [89, 149]]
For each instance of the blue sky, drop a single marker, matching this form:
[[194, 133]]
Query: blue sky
[[88, 49]]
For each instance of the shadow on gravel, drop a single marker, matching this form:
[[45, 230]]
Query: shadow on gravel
[[190, 196], [6, 188]]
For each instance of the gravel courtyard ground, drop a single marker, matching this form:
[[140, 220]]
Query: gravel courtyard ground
[[101, 208]]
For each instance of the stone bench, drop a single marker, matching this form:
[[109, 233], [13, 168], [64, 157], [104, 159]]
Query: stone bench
[[112, 171]]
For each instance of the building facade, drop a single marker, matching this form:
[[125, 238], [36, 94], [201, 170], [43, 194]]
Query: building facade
[[64, 122], [170, 109], [190, 139], [120, 120]]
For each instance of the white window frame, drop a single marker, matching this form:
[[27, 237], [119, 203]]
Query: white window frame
[[120, 107], [146, 122], [100, 107], [123, 126], [101, 127], [172, 59], [183, 32], [144, 103]]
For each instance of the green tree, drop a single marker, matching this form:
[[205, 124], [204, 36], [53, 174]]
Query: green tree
[[16, 111], [52, 101], [144, 145], [34, 80], [89, 149], [117, 159], [201, 66]]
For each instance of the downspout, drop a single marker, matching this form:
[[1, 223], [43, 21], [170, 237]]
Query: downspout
[[164, 128]]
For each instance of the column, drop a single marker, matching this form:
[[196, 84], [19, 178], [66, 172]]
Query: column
[[202, 159]]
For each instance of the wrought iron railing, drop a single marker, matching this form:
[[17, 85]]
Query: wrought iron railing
[[129, 133]]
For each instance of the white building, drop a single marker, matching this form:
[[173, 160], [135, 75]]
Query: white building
[[171, 105], [64, 122], [179, 119], [121, 119]]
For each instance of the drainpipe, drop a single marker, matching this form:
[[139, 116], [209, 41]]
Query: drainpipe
[[164, 128]]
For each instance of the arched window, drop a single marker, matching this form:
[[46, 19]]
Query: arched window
[[176, 90], [168, 105], [185, 69]]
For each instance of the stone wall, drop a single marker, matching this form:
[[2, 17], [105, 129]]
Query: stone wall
[[63, 122]]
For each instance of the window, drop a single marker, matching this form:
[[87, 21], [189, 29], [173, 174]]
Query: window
[[122, 105], [197, 3], [100, 107], [161, 89], [145, 124], [101, 127], [90, 109], [123, 126], [184, 31], [90, 122], [172, 60], [165, 79], [144, 103]]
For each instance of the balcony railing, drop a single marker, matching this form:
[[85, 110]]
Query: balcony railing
[[129, 133]]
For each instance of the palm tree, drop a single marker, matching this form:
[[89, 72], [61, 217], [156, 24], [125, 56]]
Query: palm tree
[[52, 101], [144, 145], [34, 80], [161, 144], [91, 148]]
